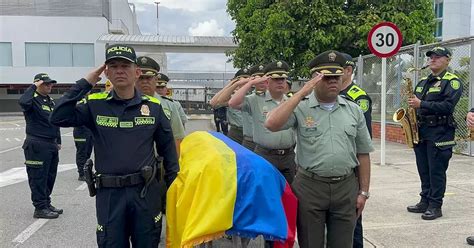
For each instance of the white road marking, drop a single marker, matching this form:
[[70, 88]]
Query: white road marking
[[81, 187], [18, 174], [8, 139], [17, 139], [10, 149], [30, 230], [11, 128]]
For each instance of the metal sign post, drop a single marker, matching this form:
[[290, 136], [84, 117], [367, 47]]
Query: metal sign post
[[384, 40]]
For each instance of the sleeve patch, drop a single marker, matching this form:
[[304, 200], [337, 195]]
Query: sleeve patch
[[363, 104]]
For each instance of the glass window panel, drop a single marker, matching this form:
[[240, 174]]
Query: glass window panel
[[5, 54], [60, 55], [83, 55], [37, 54]]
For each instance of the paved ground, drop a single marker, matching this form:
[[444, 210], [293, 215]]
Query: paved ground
[[386, 222]]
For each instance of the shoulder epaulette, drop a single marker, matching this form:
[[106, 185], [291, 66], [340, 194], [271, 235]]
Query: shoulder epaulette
[[423, 78], [355, 92], [151, 99], [450, 76], [167, 98], [98, 96]]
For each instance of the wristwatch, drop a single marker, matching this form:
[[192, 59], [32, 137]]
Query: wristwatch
[[364, 194]]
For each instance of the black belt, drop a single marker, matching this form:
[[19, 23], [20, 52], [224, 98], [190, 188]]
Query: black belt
[[276, 151], [433, 120], [49, 140], [119, 181], [333, 179]]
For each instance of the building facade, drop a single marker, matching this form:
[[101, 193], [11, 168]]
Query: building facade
[[454, 19]]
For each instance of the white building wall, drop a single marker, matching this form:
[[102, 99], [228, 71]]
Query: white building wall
[[457, 19], [21, 29]]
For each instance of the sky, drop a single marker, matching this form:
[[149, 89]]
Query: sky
[[188, 17]]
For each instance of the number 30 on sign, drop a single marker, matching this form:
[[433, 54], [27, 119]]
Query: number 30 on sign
[[385, 39]]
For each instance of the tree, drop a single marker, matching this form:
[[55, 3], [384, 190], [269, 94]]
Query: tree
[[297, 30]]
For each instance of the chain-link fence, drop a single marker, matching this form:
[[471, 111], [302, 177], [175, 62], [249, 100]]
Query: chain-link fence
[[369, 71]]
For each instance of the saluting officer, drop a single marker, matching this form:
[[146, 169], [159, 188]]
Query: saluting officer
[[332, 141], [41, 145], [256, 71], [162, 90], [147, 83], [126, 125], [234, 116], [356, 94], [435, 98], [275, 147]]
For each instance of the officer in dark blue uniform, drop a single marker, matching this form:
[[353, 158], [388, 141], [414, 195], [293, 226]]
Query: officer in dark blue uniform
[[220, 119], [83, 141], [41, 145], [435, 98], [125, 125], [356, 94]]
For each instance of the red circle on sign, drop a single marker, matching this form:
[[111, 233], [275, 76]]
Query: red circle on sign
[[397, 47]]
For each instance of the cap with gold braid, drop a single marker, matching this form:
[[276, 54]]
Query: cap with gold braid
[[329, 63], [277, 69], [148, 66], [161, 80], [242, 73], [257, 70]]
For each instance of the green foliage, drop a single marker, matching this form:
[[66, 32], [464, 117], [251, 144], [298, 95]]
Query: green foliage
[[297, 30]]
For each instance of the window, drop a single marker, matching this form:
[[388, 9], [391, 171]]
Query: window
[[439, 10], [439, 29], [6, 54], [59, 54], [439, 18]]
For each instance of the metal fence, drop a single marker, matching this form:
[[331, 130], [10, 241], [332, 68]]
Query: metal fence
[[369, 70]]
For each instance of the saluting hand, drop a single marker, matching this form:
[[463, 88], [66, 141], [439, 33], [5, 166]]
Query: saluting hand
[[94, 76], [311, 84], [414, 102], [257, 79], [470, 119]]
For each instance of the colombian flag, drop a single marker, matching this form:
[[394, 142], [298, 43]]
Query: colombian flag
[[224, 188]]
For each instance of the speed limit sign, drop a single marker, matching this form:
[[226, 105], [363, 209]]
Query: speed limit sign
[[385, 39]]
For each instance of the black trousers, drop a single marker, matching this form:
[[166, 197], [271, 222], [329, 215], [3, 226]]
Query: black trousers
[[125, 218], [221, 125], [83, 152], [358, 234], [41, 166], [432, 163]]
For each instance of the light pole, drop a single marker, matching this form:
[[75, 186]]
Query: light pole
[[157, 19]]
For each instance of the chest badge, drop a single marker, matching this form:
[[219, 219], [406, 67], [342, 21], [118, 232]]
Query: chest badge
[[309, 122], [145, 110]]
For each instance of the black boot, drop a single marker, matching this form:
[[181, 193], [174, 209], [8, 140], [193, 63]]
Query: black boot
[[56, 210], [419, 208], [432, 213], [470, 240], [81, 178], [45, 214]]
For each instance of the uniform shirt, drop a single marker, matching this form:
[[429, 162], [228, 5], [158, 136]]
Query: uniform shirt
[[258, 107], [182, 114], [172, 113], [124, 130], [234, 117], [359, 96], [221, 113], [81, 133], [37, 109], [329, 141], [439, 96]]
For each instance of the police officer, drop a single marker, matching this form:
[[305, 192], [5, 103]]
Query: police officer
[[356, 94], [256, 71], [234, 116], [41, 145], [332, 141], [83, 142], [435, 99], [470, 124], [147, 83], [275, 147], [162, 90], [220, 120], [126, 125]]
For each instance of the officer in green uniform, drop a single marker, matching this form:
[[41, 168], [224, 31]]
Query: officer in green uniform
[[332, 141], [435, 98], [162, 89], [247, 121], [356, 94], [147, 84], [234, 116], [275, 147]]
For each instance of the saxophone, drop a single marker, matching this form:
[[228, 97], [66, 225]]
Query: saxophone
[[407, 117]]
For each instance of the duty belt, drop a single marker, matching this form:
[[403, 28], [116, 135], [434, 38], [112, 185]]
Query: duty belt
[[104, 181], [276, 151], [432, 120], [334, 179]]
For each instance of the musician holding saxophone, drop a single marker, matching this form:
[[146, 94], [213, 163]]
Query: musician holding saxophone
[[434, 100]]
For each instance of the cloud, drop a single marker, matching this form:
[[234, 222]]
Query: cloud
[[199, 62], [206, 28]]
